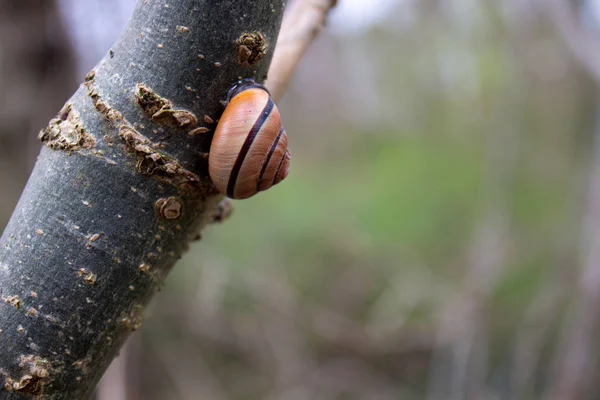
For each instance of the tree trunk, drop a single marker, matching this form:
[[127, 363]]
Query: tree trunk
[[119, 190]]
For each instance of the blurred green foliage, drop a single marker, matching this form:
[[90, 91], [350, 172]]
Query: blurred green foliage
[[447, 161]]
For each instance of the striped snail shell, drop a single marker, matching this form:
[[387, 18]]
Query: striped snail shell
[[249, 150]]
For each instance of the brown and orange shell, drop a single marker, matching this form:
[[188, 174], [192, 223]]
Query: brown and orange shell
[[249, 150]]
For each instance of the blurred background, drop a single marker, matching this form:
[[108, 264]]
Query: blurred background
[[438, 236]]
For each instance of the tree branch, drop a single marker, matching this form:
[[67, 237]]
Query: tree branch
[[300, 27], [119, 190]]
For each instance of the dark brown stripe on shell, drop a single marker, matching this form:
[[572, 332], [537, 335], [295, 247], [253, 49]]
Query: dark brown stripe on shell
[[262, 118], [279, 167], [266, 162]]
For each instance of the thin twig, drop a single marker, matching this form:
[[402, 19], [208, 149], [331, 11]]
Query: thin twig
[[301, 25]]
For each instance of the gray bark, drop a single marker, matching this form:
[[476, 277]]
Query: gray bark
[[119, 190]]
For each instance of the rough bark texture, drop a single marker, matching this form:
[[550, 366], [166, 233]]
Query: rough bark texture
[[119, 190]]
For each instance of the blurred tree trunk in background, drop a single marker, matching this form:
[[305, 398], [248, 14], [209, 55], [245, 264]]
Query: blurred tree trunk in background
[[36, 77], [577, 363]]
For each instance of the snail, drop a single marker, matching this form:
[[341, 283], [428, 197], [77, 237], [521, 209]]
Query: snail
[[249, 150]]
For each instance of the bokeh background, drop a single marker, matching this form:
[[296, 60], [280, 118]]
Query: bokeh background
[[438, 236]]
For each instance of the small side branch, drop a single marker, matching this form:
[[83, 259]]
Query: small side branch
[[301, 25]]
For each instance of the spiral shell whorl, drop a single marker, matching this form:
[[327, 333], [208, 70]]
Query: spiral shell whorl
[[249, 150]]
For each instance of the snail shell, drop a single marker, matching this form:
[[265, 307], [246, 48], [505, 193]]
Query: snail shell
[[249, 150]]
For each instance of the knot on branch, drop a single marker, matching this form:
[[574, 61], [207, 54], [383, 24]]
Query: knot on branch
[[151, 162], [160, 110], [251, 48], [36, 375], [66, 132]]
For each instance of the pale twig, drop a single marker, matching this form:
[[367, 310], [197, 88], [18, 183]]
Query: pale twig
[[301, 25]]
